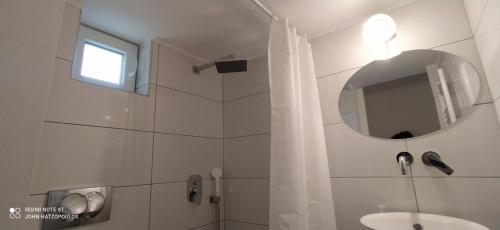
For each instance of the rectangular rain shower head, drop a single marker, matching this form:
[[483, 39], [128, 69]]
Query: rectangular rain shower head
[[231, 66], [224, 66]]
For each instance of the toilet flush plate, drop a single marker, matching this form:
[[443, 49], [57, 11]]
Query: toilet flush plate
[[96, 207]]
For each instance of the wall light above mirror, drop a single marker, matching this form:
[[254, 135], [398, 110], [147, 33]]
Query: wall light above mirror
[[415, 93], [379, 32]]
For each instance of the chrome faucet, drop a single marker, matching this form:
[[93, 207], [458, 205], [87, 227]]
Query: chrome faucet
[[433, 159], [404, 159]]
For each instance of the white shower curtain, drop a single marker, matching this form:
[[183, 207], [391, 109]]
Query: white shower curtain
[[301, 197]]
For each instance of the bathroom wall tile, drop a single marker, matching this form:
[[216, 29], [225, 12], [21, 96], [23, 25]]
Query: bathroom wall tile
[[247, 156], [468, 51], [345, 49], [175, 70], [353, 155], [176, 157], [69, 32], [444, 22], [104, 156], [255, 80], [247, 116], [474, 199], [73, 101], [231, 225], [29, 35], [339, 51], [171, 210], [181, 113], [474, 9], [471, 147], [356, 197], [329, 89], [490, 20], [488, 46], [247, 200]]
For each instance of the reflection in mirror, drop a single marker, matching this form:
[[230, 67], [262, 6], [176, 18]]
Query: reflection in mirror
[[413, 94]]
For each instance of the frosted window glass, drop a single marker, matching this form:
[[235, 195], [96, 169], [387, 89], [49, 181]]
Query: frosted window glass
[[102, 64]]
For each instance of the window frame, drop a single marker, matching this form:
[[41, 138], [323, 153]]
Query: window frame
[[128, 50]]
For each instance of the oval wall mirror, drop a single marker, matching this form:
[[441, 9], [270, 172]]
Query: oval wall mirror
[[410, 95]]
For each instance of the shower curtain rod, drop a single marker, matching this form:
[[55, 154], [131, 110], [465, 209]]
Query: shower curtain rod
[[265, 9]]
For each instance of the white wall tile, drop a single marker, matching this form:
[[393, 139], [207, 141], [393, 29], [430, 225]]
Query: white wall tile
[[247, 116], [175, 70], [357, 197], [181, 113], [474, 9], [488, 44], [247, 200], [73, 101], [474, 199], [255, 80], [445, 21], [353, 155], [69, 32], [72, 156], [30, 31], [231, 225], [171, 210], [344, 49], [176, 157], [329, 89], [471, 147], [247, 156], [468, 51], [490, 20]]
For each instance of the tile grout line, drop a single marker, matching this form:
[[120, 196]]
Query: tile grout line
[[153, 150], [223, 197], [412, 180], [244, 222], [134, 130], [358, 67], [480, 19], [249, 135], [249, 95], [186, 92]]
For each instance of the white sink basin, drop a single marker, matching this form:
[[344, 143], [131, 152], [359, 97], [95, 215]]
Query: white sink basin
[[407, 220]]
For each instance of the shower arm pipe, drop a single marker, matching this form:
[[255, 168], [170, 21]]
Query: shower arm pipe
[[265, 9]]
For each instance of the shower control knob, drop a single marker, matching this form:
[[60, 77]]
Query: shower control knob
[[95, 203], [74, 206]]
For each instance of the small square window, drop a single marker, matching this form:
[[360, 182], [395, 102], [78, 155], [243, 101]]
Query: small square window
[[105, 60], [101, 64]]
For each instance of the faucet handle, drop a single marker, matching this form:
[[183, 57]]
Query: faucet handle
[[431, 158]]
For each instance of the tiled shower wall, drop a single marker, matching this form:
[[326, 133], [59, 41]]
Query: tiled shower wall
[[247, 147], [364, 173], [145, 147]]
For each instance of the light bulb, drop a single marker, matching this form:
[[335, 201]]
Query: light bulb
[[379, 28]]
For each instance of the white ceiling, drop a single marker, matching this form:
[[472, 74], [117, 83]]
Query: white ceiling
[[216, 28]]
